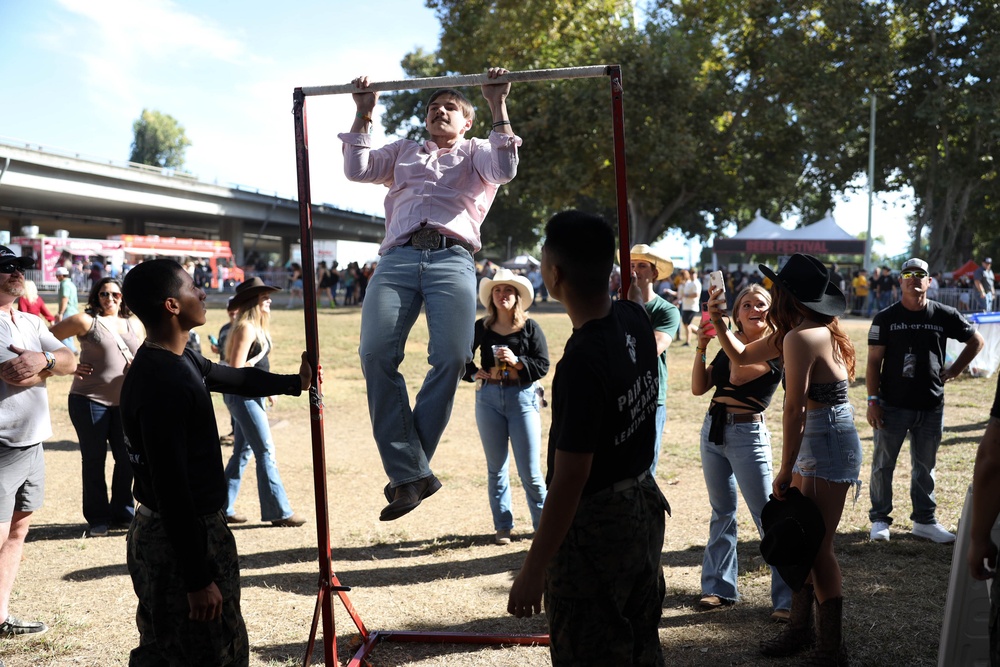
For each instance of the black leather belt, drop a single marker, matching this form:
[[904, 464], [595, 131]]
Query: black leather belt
[[432, 239]]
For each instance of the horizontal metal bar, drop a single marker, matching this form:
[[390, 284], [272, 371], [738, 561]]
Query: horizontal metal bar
[[457, 80]]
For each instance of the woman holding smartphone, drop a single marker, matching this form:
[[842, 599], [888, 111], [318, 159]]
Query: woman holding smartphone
[[821, 451], [736, 448]]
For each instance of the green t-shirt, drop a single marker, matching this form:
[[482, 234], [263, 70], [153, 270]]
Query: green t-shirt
[[664, 317], [68, 289]]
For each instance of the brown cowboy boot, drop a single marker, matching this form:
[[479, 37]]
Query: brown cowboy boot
[[798, 634], [829, 650]]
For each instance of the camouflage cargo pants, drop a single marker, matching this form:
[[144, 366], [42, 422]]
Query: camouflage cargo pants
[[604, 589], [167, 637]]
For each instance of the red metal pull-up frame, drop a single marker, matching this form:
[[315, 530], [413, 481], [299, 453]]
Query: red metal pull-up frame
[[328, 581]]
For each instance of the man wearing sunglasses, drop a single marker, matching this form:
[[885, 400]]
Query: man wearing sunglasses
[[28, 355], [905, 380]]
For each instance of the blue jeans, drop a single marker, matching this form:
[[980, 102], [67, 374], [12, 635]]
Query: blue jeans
[[511, 413], [661, 421], [98, 427], [252, 434], [925, 428], [743, 459], [444, 283]]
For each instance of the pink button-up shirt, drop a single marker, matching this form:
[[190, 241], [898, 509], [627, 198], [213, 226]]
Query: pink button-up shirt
[[450, 189]]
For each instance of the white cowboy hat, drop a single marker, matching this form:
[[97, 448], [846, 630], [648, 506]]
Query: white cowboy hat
[[506, 277], [643, 253]]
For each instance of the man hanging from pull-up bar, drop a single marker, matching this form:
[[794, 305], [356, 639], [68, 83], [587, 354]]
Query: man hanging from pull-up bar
[[439, 194]]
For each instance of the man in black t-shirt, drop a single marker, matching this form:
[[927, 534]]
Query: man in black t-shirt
[[885, 288], [596, 553], [905, 380], [181, 554]]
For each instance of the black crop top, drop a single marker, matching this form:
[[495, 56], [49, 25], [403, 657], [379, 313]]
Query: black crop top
[[829, 393], [528, 345], [754, 395]]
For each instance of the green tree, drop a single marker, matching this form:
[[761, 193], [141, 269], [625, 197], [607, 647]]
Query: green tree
[[159, 140], [939, 127], [730, 106]]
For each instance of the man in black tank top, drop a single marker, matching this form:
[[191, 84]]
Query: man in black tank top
[[905, 380]]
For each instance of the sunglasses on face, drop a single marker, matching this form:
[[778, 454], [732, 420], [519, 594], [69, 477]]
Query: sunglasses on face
[[110, 295], [918, 275], [9, 268]]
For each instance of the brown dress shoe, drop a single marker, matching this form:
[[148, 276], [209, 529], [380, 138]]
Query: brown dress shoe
[[235, 518], [407, 496], [293, 521]]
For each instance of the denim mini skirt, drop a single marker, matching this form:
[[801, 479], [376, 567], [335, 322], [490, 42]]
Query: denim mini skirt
[[831, 448]]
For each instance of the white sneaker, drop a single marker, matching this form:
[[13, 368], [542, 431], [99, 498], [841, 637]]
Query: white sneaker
[[934, 532], [880, 532]]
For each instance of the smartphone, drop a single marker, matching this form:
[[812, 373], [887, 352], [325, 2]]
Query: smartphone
[[706, 322], [213, 340], [716, 281]]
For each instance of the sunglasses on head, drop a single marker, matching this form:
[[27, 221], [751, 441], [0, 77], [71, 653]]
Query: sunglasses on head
[[919, 275], [10, 267], [110, 295]]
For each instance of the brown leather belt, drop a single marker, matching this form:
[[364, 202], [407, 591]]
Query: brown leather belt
[[432, 239], [735, 418]]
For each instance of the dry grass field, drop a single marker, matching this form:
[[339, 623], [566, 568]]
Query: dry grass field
[[438, 569]]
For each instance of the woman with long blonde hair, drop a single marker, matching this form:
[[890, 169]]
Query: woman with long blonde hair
[[821, 451], [514, 356], [248, 344], [736, 448]]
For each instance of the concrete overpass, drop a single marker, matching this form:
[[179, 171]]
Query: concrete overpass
[[91, 198]]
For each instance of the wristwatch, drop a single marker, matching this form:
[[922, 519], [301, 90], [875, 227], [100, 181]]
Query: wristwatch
[[50, 360]]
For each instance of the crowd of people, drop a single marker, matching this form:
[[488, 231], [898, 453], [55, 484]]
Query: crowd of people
[[970, 290], [597, 515]]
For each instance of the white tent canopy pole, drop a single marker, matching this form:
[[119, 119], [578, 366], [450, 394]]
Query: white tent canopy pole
[[457, 80]]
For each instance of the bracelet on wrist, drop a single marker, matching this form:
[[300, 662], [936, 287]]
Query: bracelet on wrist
[[367, 117], [500, 123]]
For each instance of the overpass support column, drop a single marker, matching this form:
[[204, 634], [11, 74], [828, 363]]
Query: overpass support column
[[232, 231], [286, 249]]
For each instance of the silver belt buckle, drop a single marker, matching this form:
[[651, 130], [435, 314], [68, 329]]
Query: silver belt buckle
[[426, 239]]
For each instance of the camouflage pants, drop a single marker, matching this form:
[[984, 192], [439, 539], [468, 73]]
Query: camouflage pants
[[167, 637], [604, 588]]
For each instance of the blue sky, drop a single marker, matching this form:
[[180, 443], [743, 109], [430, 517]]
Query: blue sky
[[77, 73]]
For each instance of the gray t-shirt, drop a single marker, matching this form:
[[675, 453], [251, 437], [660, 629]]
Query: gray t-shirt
[[24, 411], [985, 278]]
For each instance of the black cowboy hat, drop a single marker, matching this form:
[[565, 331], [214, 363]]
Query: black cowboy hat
[[793, 531], [808, 280], [249, 290]]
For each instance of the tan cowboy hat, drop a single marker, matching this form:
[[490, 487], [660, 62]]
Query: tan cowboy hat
[[249, 290], [643, 253], [506, 277]]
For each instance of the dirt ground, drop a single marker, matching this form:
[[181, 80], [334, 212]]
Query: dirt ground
[[437, 568]]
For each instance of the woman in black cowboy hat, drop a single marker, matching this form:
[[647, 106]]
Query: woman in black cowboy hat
[[821, 451]]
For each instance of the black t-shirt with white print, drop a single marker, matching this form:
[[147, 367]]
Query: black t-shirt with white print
[[915, 344], [604, 396]]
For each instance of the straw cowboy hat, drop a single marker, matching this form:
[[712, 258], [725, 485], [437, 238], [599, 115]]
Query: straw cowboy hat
[[249, 290], [506, 277], [793, 531], [808, 280], [643, 253]]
